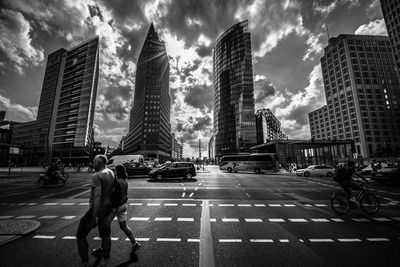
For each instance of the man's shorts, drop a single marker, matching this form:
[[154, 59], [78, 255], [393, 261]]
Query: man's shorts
[[104, 220], [122, 213]]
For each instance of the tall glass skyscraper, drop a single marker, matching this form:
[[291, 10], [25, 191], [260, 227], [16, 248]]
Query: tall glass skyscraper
[[149, 124], [64, 125], [233, 104]]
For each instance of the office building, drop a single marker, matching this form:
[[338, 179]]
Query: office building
[[211, 148], [176, 149], [268, 127], [391, 14], [149, 124], [2, 115], [64, 124], [233, 103], [362, 94]]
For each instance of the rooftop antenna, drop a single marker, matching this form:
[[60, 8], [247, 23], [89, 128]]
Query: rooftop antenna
[[327, 31]]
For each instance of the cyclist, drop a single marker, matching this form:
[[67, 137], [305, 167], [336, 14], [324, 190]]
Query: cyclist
[[344, 178]]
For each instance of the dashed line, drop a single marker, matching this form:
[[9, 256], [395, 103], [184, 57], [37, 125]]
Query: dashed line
[[321, 240], [378, 239], [153, 204], [163, 219], [44, 236], [193, 240], [189, 205], [139, 219], [168, 239], [25, 217], [171, 204], [135, 204], [67, 204], [230, 220], [230, 240], [183, 194], [6, 217], [289, 205], [274, 205], [320, 220], [48, 217], [140, 239], [185, 219], [261, 240], [83, 204], [259, 205], [244, 205], [276, 220], [69, 237], [226, 205], [360, 220], [284, 240], [50, 204], [253, 220], [349, 240], [298, 220], [191, 194]]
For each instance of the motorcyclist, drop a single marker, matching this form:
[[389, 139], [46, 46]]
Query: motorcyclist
[[52, 172]]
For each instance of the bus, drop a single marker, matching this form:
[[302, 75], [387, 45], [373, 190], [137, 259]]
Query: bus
[[256, 162]]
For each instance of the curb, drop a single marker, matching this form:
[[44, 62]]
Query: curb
[[11, 230]]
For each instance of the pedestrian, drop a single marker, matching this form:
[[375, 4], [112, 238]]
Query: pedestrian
[[122, 211], [99, 213]]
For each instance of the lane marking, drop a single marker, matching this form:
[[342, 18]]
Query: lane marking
[[289, 205], [382, 219], [337, 220], [25, 217], [206, 249], [261, 240], [213, 220], [50, 204], [83, 204], [183, 194], [298, 220], [244, 205], [171, 204], [44, 236], [168, 239], [114, 238], [259, 205], [276, 220], [274, 205], [253, 220], [48, 217], [69, 237], [319, 220], [153, 204], [191, 195], [189, 205], [31, 204], [321, 240], [67, 204], [163, 219], [321, 205], [360, 220], [135, 204], [193, 240], [226, 205], [185, 219], [378, 239], [349, 240], [68, 217], [230, 220], [6, 217], [139, 219], [139, 239], [284, 240], [96, 238], [230, 240]]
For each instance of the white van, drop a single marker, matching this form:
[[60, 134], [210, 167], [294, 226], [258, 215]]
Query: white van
[[121, 159]]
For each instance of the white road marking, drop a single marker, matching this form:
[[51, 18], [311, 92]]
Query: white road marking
[[25, 217], [191, 195], [244, 205], [193, 240], [259, 205], [163, 219], [139, 219], [114, 238], [31, 204], [48, 217], [360, 220], [153, 204], [261, 240], [381, 219], [206, 250], [183, 194], [396, 218], [321, 240], [301, 240], [298, 220], [378, 239], [289, 205], [67, 204], [275, 205], [5, 217], [50, 204], [69, 237], [189, 205], [320, 220], [83, 204], [96, 238], [284, 240], [135, 204], [168, 239], [44, 236], [321, 205], [21, 204], [276, 220], [230, 219], [170, 204], [185, 219], [230, 240], [337, 220], [308, 205], [253, 220], [226, 205], [140, 239], [68, 217], [349, 240], [213, 220]]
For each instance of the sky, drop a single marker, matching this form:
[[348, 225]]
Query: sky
[[288, 38]]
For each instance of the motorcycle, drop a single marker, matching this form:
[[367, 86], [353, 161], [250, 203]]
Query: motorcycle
[[60, 179]]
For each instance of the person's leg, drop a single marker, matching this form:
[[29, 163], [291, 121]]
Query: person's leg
[[128, 231], [81, 234], [104, 225], [346, 188]]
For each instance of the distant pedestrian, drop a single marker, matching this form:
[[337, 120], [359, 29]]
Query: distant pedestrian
[[122, 211], [100, 208]]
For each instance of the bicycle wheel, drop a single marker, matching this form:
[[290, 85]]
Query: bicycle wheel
[[340, 203], [369, 203]]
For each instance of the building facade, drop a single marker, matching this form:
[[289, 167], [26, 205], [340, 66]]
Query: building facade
[[176, 149], [268, 127], [362, 94], [149, 124], [233, 103], [391, 14], [211, 148], [64, 124]]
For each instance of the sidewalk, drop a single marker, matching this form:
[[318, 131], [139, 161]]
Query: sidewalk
[[14, 229]]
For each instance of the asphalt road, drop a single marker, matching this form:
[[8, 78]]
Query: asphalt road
[[217, 219]]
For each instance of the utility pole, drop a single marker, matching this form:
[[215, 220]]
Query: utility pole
[[199, 149]]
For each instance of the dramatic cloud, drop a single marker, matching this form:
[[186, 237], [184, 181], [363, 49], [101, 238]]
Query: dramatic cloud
[[262, 88], [376, 27], [15, 41], [17, 112]]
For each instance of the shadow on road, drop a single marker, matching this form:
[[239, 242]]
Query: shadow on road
[[170, 180], [133, 259]]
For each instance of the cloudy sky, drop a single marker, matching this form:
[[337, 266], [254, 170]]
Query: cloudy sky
[[288, 38]]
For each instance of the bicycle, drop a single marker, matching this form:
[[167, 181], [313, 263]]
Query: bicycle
[[368, 202]]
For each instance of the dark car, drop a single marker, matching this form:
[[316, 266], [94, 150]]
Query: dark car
[[137, 168], [186, 170], [387, 175]]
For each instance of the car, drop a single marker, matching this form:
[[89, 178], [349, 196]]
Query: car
[[137, 168], [316, 170], [367, 170], [186, 170], [384, 175], [121, 159]]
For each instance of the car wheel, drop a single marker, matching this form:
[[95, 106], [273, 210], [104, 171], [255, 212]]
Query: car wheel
[[159, 177], [229, 169], [188, 176], [306, 174], [329, 174]]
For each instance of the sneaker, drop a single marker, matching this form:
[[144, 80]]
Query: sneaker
[[135, 247], [98, 252]]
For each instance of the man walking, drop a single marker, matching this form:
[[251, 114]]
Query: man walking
[[100, 208]]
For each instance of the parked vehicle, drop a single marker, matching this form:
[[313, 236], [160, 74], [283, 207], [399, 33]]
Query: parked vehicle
[[121, 159], [137, 168], [186, 170], [387, 175], [316, 170], [256, 162]]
